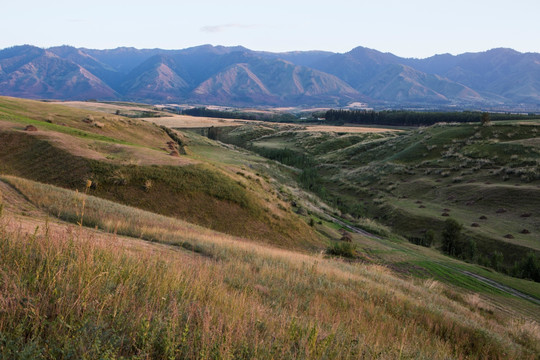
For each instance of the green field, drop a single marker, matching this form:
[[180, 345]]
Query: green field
[[485, 177]]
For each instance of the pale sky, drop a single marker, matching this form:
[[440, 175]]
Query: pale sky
[[408, 28]]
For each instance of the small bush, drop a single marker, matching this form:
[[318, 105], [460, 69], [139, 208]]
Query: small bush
[[148, 185], [426, 240], [343, 249]]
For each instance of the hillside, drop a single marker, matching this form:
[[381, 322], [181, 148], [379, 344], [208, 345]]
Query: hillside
[[501, 79], [79, 291], [137, 163], [120, 238], [484, 177]]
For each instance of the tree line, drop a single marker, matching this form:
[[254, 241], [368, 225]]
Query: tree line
[[415, 118], [242, 115], [455, 244]]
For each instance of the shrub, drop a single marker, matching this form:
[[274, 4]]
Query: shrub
[[426, 240], [147, 185], [429, 237], [344, 249], [497, 259]]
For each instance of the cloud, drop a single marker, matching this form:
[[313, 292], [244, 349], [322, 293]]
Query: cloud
[[224, 27]]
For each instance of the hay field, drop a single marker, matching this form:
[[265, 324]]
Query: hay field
[[186, 121], [346, 129]]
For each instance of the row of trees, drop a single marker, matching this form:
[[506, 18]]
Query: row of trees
[[224, 114], [414, 118], [456, 245]]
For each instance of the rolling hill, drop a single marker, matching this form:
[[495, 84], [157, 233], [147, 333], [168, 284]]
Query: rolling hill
[[484, 177], [124, 239], [137, 163]]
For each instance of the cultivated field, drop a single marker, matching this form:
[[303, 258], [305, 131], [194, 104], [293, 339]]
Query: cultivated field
[[186, 121]]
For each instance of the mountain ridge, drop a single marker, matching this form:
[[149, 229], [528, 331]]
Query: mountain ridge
[[497, 77]]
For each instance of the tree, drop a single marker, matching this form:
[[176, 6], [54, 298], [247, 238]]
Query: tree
[[451, 237], [497, 259], [213, 133], [429, 236], [471, 250], [485, 119], [529, 267]]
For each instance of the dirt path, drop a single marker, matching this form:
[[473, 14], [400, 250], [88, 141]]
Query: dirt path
[[354, 229], [495, 284], [500, 286]]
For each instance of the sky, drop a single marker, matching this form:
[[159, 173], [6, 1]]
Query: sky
[[408, 28]]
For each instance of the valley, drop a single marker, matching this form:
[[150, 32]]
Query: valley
[[126, 230]]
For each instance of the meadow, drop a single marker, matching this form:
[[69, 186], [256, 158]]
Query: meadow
[[70, 291], [484, 177], [218, 252]]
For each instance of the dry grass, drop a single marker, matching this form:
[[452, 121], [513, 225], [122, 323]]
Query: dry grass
[[347, 129], [102, 150], [103, 107], [59, 118], [72, 294], [186, 121]]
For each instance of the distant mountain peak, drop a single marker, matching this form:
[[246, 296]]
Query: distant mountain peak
[[235, 75]]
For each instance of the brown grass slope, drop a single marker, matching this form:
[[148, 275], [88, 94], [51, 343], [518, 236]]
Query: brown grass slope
[[69, 291], [202, 193]]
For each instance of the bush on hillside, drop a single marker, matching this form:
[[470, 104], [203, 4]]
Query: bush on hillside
[[343, 249], [451, 237], [426, 240]]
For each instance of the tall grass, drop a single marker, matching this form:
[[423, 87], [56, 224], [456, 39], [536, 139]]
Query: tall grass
[[82, 294]]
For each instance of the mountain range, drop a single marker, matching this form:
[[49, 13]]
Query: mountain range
[[238, 76]]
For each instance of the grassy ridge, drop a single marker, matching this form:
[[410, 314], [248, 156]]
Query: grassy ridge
[[74, 294], [52, 117], [199, 193], [204, 192]]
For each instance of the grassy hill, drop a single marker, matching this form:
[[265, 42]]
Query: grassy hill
[[71, 291], [121, 239], [485, 177], [136, 168]]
